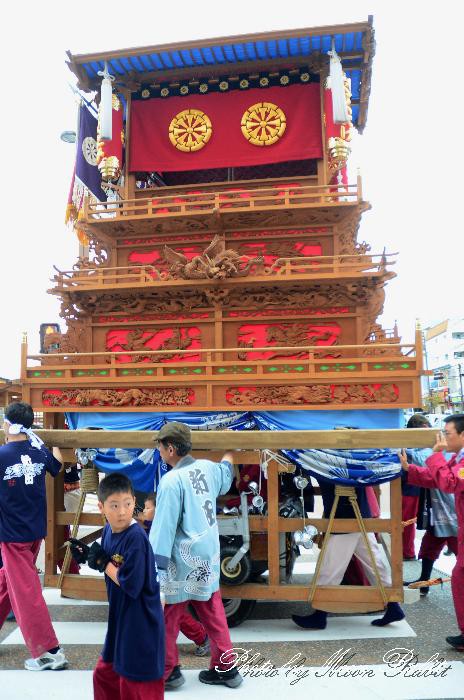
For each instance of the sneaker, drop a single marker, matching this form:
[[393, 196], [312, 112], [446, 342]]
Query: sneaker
[[175, 680], [232, 678], [202, 649], [52, 662], [456, 642]]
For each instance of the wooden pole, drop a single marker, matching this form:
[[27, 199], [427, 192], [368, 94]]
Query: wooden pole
[[246, 440]]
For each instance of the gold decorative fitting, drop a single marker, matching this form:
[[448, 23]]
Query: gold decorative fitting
[[339, 151], [284, 80], [164, 92], [115, 102], [244, 83], [223, 85], [264, 82], [304, 77], [203, 87], [263, 124], [145, 94], [190, 130], [184, 90], [109, 168]]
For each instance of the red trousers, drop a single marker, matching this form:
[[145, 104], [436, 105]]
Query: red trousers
[[409, 510], [192, 629], [21, 591], [212, 616], [431, 546], [109, 685], [457, 583]]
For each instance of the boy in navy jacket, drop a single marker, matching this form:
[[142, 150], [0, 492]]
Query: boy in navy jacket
[[131, 665]]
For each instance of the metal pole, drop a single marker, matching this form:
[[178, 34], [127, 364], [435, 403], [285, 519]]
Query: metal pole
[[460, 385]]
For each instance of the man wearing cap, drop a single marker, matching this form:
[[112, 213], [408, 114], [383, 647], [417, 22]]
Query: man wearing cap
[[185, 540]]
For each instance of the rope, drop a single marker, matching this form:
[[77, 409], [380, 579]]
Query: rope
[[89, 484], [350, 492], [354, 502], [89, 479]]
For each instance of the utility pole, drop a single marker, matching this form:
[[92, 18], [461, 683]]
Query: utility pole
[[460, 385]]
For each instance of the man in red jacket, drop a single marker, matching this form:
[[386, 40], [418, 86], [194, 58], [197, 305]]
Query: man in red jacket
[[448, 477]]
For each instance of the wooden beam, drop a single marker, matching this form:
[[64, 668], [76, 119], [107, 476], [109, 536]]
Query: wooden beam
[[356, 598], [246, 440], [335, 594]]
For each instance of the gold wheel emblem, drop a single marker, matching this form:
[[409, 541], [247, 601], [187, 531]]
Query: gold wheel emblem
[[190, 130], [263, 124]]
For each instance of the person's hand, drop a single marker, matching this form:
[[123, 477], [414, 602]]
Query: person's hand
[[440, 443], [228, 457], [79, 550], [98, 559], [403, 460]]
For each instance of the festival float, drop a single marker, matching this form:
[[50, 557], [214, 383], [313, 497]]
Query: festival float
[[220, 282]]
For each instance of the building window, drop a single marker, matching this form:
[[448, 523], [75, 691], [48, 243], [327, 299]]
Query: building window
[[459, 354], [458, 335]]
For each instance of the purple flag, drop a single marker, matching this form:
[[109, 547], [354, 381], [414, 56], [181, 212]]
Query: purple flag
[[86, 157]]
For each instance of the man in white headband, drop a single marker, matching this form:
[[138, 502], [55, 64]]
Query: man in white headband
[[24, 461]]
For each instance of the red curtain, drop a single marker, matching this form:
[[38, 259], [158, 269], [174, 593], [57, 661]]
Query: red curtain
[[151, 149]]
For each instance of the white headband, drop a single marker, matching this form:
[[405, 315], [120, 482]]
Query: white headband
[[16, 428]]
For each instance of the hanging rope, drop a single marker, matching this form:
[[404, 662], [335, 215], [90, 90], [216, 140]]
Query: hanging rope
[[89, 484]]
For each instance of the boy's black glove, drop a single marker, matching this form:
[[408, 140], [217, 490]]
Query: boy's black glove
[[79, 550], [98, 558]]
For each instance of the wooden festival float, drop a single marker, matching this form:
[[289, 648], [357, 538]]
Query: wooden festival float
[[224, 272]]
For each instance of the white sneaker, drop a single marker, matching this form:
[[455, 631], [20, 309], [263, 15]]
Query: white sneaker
[[52, 662]]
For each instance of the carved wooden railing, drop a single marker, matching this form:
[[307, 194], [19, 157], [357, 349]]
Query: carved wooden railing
[[223, 201], [218, 364], [292, 267]]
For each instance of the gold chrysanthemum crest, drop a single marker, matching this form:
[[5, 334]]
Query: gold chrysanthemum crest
[[263, 124], [190, 130]]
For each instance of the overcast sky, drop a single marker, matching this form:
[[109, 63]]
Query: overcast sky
[[410, 154]]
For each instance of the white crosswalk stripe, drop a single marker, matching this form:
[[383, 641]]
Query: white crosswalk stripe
[[256, 631], [369, 683]]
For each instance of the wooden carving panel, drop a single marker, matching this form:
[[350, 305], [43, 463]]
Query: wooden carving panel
[[118, 397], [262, 335], [314, 394], [140, 340]]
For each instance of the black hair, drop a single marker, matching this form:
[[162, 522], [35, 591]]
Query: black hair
[[418, 420], [182, 448], [458, 420], [151, 497], [114, 483], [20, 412]]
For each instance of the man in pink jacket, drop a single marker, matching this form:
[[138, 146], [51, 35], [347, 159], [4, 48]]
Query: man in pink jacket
[[448, 477]]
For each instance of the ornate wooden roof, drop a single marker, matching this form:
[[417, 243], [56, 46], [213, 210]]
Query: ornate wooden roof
[[236, 54]]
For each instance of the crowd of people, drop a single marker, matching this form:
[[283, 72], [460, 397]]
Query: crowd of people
[[165, 563]]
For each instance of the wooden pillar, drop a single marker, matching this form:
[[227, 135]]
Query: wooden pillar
[[218, 333], [55, 502], [325, 170], [273, 539], [396, 534], [129, 180]]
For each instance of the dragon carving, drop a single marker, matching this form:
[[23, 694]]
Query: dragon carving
[[293, 335], [115, 397], [137, 340], [215, 262], [314, 394]]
